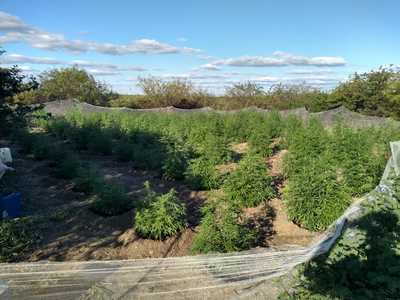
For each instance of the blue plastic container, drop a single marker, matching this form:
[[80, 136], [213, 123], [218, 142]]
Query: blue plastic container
[[11, 205]]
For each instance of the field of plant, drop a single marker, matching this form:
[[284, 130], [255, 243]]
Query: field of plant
[[324, 168]]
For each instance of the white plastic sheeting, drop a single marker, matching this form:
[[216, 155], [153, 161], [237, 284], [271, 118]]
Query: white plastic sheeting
[[5, 157], [218, 276]]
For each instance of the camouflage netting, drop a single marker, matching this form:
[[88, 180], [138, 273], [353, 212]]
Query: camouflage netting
[[327, 117], [243, 275]]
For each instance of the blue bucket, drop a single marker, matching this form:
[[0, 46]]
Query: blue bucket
[[11, 205]]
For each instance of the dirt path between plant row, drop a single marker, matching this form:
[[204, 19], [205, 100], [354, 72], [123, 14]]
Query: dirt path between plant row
[[70, 231]]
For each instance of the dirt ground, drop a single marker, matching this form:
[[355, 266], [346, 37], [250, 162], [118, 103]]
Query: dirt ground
[[70, 231]]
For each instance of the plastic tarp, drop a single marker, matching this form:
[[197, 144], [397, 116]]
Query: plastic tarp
[[216, 276]]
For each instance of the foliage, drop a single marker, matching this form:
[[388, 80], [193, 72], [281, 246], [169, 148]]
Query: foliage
[[221, 230], [326, 168], [245, 90], [111, 200], [202, 174], [176, 162], [314, 196], [12, 81], [364, 263], [16, 236], [250, 183], [263, 135], [72, 82], [68, 167], [87, 181], [179, 93], [161, 217], [371, 93]]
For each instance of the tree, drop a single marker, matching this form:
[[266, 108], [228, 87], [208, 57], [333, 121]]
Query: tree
[[365, 92], [12, 81], [72, 82]]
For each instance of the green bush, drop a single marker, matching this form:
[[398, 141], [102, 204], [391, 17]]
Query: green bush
[[17, 236], [315, 196], [250, 183], [201, 174], [221, 231], [41, 148], [111, 200], [164, 216], [100, 143], [123, 150], [363, 264], [87, 181], [68, 167], [176, 161]]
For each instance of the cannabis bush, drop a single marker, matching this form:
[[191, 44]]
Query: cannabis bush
[[87, 181], [163, 216], [250, 183], [363, 264], [221, 231], [111, 200], [315, 196], [176, 161], [68, 167], [201, 174]]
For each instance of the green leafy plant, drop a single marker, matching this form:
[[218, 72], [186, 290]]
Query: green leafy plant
[[315, 195], [250, 183], [87, 181], [17, 236], [201, 174], [161, 217], [111, 200], [363, 264], [221, 231]]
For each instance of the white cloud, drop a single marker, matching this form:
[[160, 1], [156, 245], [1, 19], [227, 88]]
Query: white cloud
[[92, 67], [182, 39], [210, 67], [15, 30], [279, 59], [17, 58]]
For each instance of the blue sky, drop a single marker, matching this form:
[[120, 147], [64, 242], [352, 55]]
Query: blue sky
[[212, 43]]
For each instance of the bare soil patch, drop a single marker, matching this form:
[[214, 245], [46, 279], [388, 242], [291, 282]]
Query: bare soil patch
[[70, 231]]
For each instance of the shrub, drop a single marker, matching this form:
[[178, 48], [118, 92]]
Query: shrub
[[245, 90], [250, 183], [87, 181], [178, 93], [26, 140], [124, 150], [315, 196], [100, 143], [163, 217], [176, 161], [363, 264], [41, 147], [201, 174], [68, 167], [221, 231], [111, 200], [17, 236]]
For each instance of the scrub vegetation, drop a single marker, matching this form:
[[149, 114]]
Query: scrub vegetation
[[324, 169]]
